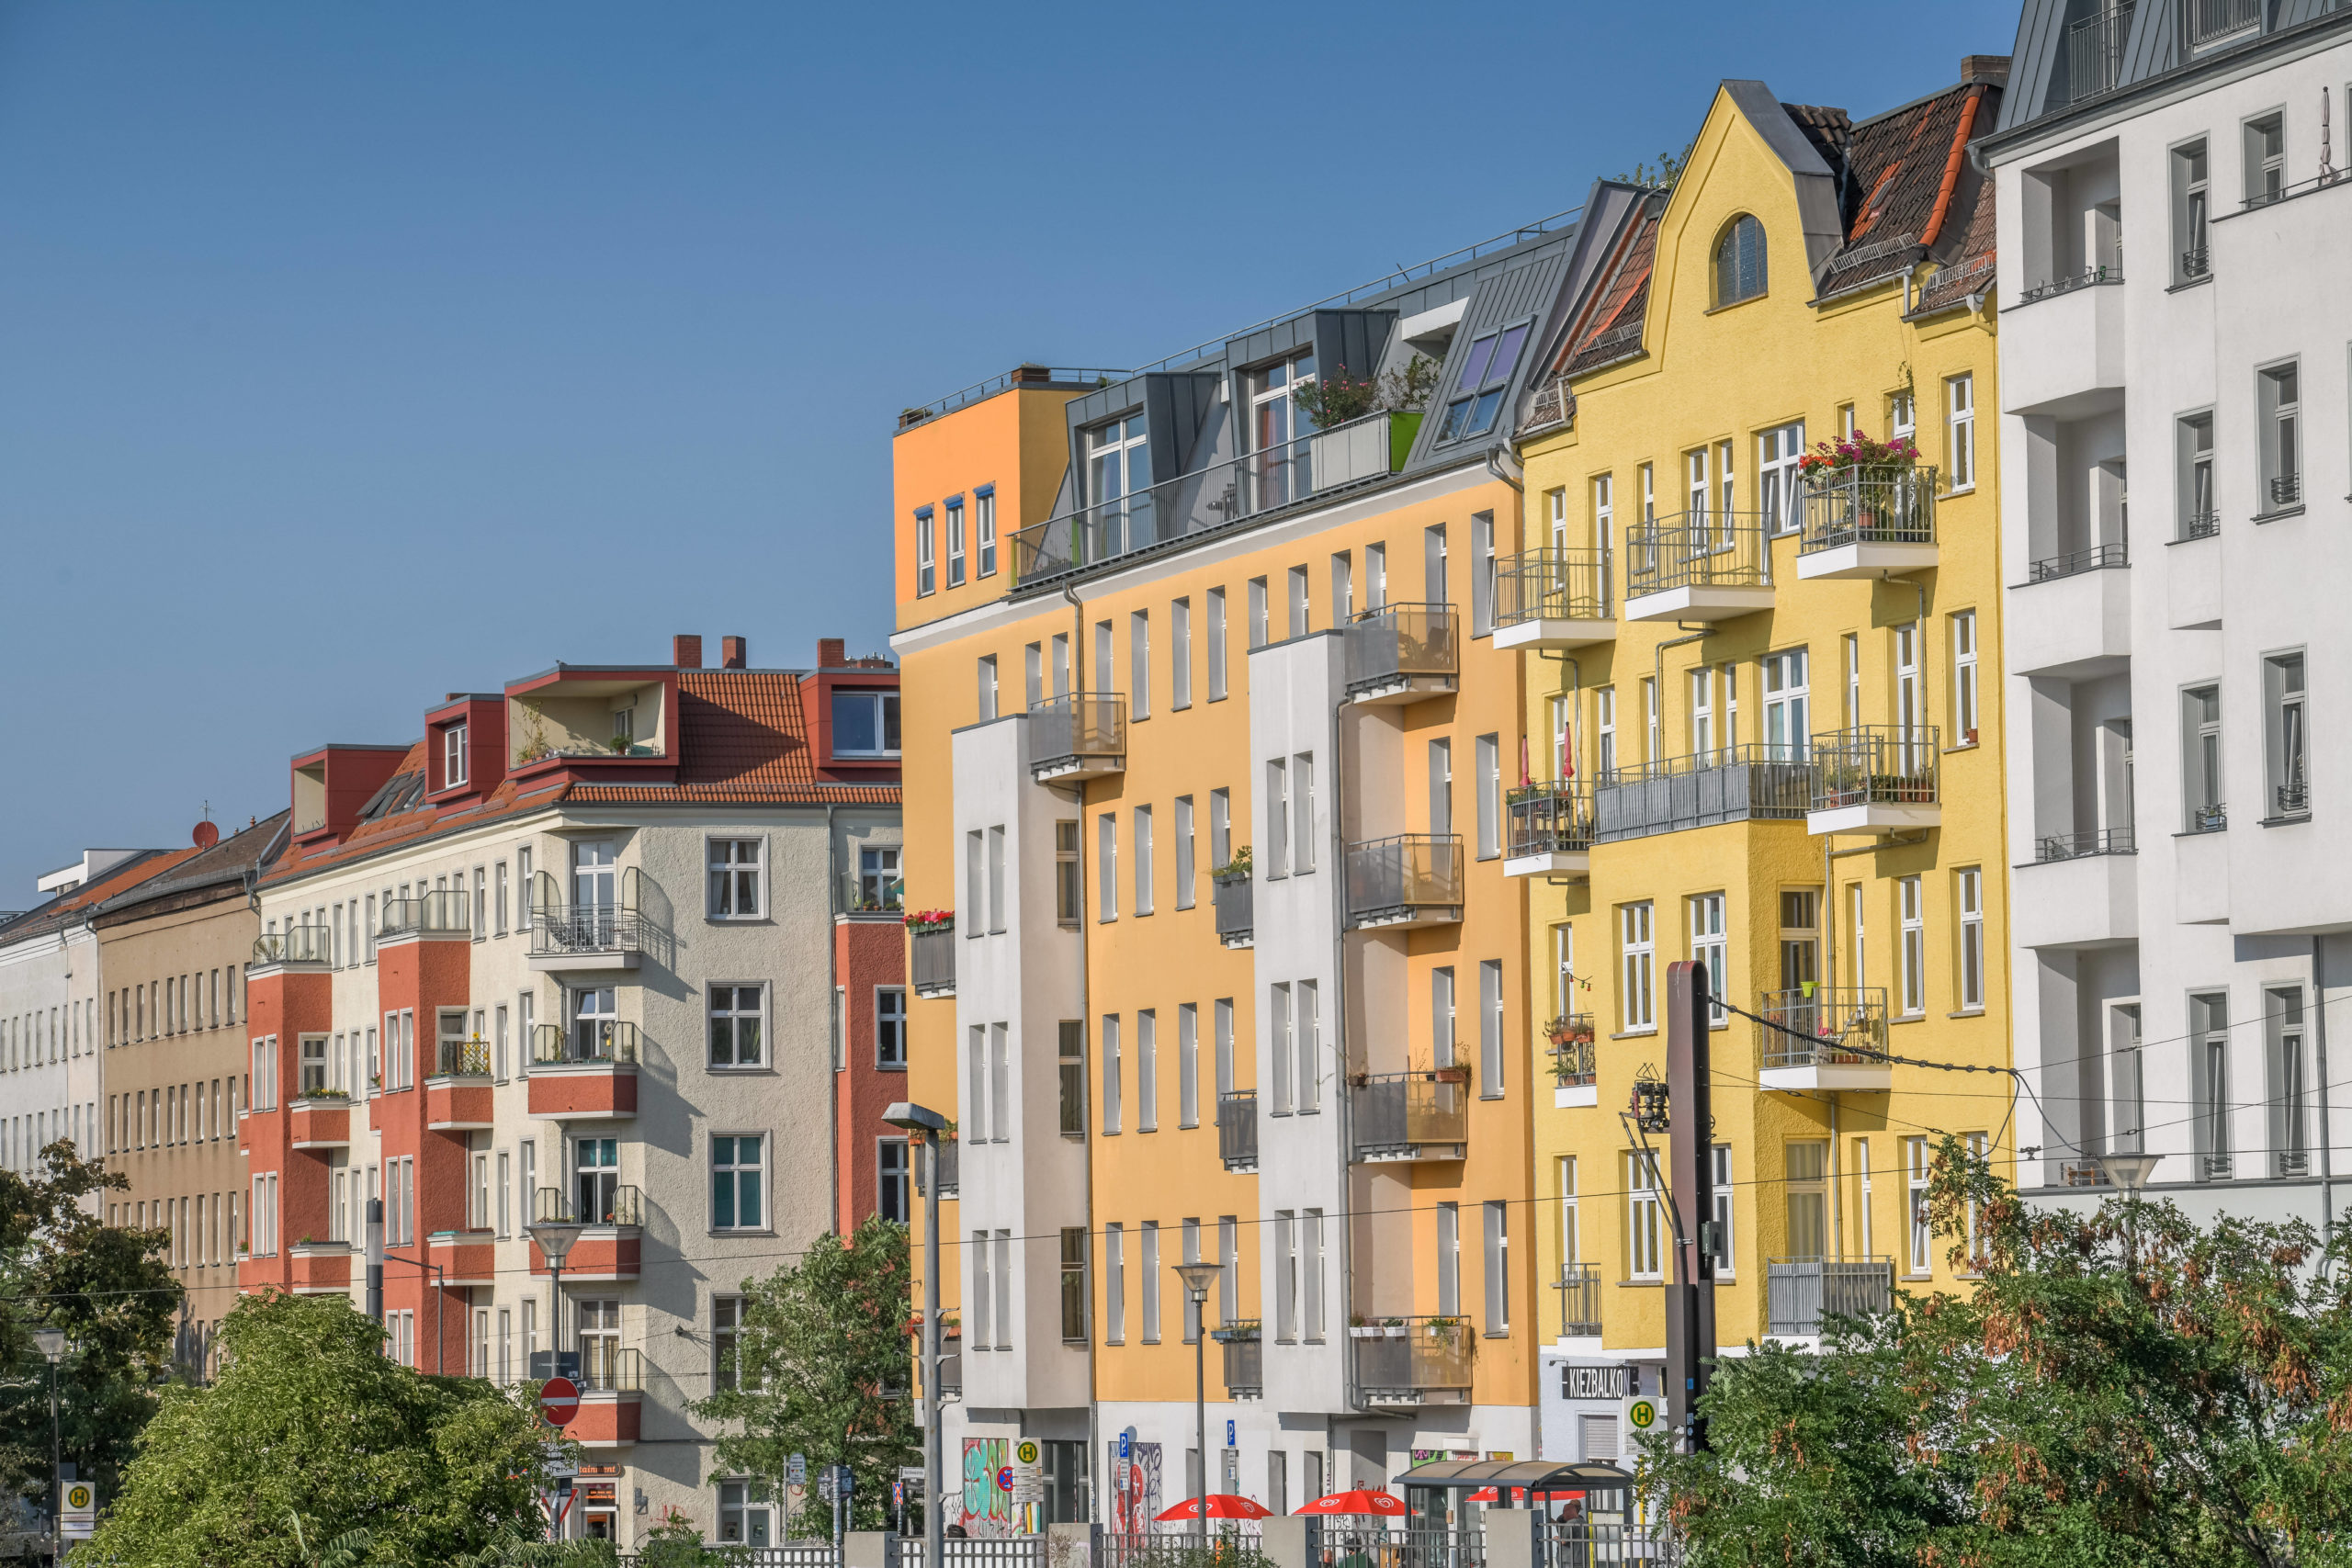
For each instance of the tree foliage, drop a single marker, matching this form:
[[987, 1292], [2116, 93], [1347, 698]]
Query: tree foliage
[[821, 1367], [2119, 1388], [310, 1433], [1338, 397], [109, 1288]]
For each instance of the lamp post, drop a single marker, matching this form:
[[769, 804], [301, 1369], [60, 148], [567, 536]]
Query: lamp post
[[923, 1122], [1198, 1278], [555, 1238], [51, 1343], [2131, 1172]]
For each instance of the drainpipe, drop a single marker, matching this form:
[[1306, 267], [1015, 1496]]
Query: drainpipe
[[1340, 1015], [1658, 675], [1077, 659], [1086, 1024]]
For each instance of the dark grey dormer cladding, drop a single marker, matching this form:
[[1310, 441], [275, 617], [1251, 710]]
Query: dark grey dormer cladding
[[2073, 53]]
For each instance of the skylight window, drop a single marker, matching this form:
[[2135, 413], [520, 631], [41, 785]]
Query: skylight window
[[1486, 376]]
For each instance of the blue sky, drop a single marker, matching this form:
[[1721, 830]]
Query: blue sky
[[354, 354]]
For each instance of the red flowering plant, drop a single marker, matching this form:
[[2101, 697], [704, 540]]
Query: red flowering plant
[[921, 920], [1859, 451]]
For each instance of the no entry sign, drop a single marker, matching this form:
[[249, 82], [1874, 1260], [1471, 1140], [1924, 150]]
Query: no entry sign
[[558, 1400]]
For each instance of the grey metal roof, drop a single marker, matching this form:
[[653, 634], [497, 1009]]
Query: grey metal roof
[[1533, 1474]]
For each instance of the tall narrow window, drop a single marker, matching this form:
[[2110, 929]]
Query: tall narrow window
[[987, 680], [1143, 860], [1224, 1023], [1299, 618], [1033, 675], [1277, 857], [1702, 711], [1278, 1044], [1449, 1260], [926, 579], [1106, 865], [1179, 654], [1960, 430], [1433, 565], [1914, 979], [1604, 514], [2289, 1081], [1115, 1286], [1302, 825], [1072, 1065], [996, 883], [1787, 728], [1488, 751], [1111, 1070], [2191, 211], [1220, 828], [1652, 747], [1441, 1016], [1635, 999], [984, 516], [1964, 718], [2286, 736], [2266, 160], [955, 542], [2209, 1057], [1779, 492], [1344, 588], [2193, 479], [1604, 734], [1645, 1241], [1147, 1070], [1138, 664], [1490, 1028], [1719, 1239], [1286, 1276], [1376, 576], [1185, 868], [1310, 1045], [1498, 1261], [1074, 1286], [1482, 573], [1915, 1172], [1708, 947], [1216, 645], [1808, 1199], [1257, 627], [1800, 939], [1060, 672], [2280, 409], [1970, 886], [1148, 1280], [1070, 877], [2200, 735], [1188, 1065], [2127, 1118]]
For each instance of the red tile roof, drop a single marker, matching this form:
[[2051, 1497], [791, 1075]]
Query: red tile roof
[[61, 911]]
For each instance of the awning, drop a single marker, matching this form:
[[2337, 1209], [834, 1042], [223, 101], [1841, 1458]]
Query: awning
[[1537, 1475]]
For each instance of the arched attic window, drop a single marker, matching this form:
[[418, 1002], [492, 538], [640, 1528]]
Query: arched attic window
[[1739, 261]]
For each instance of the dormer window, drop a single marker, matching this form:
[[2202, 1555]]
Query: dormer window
[[1485, 375], [865, 724], [453, 756], [1739, 261]]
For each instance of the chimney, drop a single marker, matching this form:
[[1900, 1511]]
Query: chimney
[[832, 653], [731, 653], [1991, 67], [685, 652]]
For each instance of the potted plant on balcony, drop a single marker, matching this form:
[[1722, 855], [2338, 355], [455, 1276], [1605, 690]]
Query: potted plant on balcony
[[1870, 472], [1235, 870], [923, 922], [536, 746]]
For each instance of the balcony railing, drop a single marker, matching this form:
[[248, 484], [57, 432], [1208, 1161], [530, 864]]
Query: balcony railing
[[1396, 1115], [1402, 1358], [578, 930], [2212, 818], [1866, 507], [1549, 818], [2285, 490], [1402, 643], [1235, 897], [463, 1059], [1399, 878], [2200, 525], [295, 944], [1237, 1128], [1579, 1288], [449, 912], [1767, 781], [1245, 1357], [2095, 52], [1552, 585], [2214, 1168], [2052, 847], [2099, 558], [1090, 726], [951, 1169], [1698, 550], [593, 1205], [2195, 263], [2291, 799], [2082, 1173], [930, 962], [2211, 21], [1823, 1026], [606, 1368], [1874, 764], [1800, 1291], [1574, 1063], [1318, 464], [2089, 278], [867, 893], [604, 1040]]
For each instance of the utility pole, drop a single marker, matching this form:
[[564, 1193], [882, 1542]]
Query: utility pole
[[1691, 1298]]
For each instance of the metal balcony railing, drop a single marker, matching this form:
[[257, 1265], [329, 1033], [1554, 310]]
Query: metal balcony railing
[[1821, 1026], [1402, 1358], [2291, 1162], [578, 929], [1397, 1114], [1402, 875], [606, 1368], [1862, 506], [1235, 897], [930, 962], [1875, 764], [1730, 784], [1402, 642], [2089, 278], [1552, 585], [588, 1039], [1800, 1291], [951, 1166], [447, 912], [2214, 1168], [2052, 847], [1575, 1062], [1244, 1349], [1698, 550], [595, 1203], [1237, 1128], [295, 944], [2099, 558], [2200, 525], [2286, 490], [2212, 818], [1579, 1288], [462, 1059], [2211, 21], [867, 892], [2195, 261], [1079, 727], [2095, 51], [1549, 818], [2293, 799]]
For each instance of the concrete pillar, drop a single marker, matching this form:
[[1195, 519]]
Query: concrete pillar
[[1284, 1541], [869, 1549], [1512, 1540]]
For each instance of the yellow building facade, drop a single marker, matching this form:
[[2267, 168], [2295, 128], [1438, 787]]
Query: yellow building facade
[[1764, 707]]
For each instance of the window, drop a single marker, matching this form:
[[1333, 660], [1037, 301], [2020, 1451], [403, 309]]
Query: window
[[736, 892], [925, 579], [1286, 1276], [453, 756], [2193, 479], [1433, 581], [1300, 623], [735, 1014], [1143, 860], [596, 1178], [1179, 654], [1138, 664], [1708, 947], [1279, 1044], [1069, 890], [1148, 1277], [1257, 612], [1482, 573], [1739, 262], [1635, 999], [1490, 1028], [1960, 431], [1147, 1070], [1487, 749], [865, 724], [1060, 662], [996, 883], [1486, 376], [2289, 1086], [1571, 1235], [1186, 855], [1216, 645], [889, 1027], [1071, 1067], [1719, 1236], [1376, 576], [498, 909], [1653, 746], [2200, 733], [1964, 712], [955, 542], [1277, 819], [1788, 731], [1644, 1244], [1118, 462], [2191, 209], [1914, 979], [984, 517], [314, 1063], [1344, 588], [1604, 728], [2265, 159], [736, 1162], [2209, 1026], [2286, 736], [2281, 413], [1914, 1166], [1808, 1199], [1114, 1286], [1702, 711], [1301, 813], [1780, 492], [1111, 1086], [1074, 1288], [987, 671], [1970, 886], [1498, 1261], [1800, 926], [1106, 866], [1000, 1071], [745, 1515]]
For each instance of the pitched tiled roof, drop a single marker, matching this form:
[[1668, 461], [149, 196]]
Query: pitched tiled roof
[[232, 859], [1970, 271], [1906, 175], [1614, 332], [67, 907]]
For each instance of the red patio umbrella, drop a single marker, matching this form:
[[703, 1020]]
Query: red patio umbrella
[[1361, 1500], [1220, 1505]]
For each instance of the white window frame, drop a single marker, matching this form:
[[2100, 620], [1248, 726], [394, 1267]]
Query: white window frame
[[1959, 431], [718, 865], [1966, 715], [1911, 905], [926, 574], [984, 520], [1709, 946], [1637, 951], [1969, 892], [1644, 1224]]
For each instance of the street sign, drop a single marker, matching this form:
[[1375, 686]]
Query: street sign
[[1025, 1451], [558, 1400], [545, 1364], [1127, 1446], [1642, 1412], [898, 1495], [1229, 1434], [1004, 1478], [79, 1521], [796, 1470], [912, 1473], [556, 1464]]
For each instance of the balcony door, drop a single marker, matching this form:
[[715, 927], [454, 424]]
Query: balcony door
[[594, 879], [1281, 472], [1118, 466], [595, 1177], [1788, 733], [593, 1017]]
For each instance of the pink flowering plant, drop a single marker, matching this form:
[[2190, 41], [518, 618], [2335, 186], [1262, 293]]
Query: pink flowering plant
[[921, 920], [1829, 460]]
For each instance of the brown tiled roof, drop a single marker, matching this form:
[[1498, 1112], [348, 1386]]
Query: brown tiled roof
[[67, 907], [1615, 329], [1970, 271], [1907, 174], [230, 861]]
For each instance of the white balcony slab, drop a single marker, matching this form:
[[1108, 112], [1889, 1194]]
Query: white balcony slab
[[2089, 901], [1546, 632], [1867, 558], [1078, 767], [1876, 816], [1404, 689], [2077, 366], [1558, 863], [1574, 1096], [580, 963], [2071, 628], [1704, 602], [1849, 1077]]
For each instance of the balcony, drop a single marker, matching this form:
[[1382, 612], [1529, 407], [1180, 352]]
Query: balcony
[[1553, 599], [1863, 524], [2072, 616], [2080, 890], [1412, 1360], [1579, 1288], [1575, 1065], [1800, 1292], [571, 937], [1823, 1038], [1413, 879], [2077, 364], [951, 1366], [295, 944], [951, 1169], [1698, 565], [930, 961], [2211, 22], [319, 1121], [585, 1073], [435, 917], [1237, 1128], [1730, 784], [1244, 1351], [1550, 831], [468, 1260], [870, 896], [611, 1247], [1876, 778], [612, 1388], [1402, 653], [1410, 1116], [458, 1093], [1323, 463], [1080, 736], [2095, 52], [1235, 897], [319, 1267]]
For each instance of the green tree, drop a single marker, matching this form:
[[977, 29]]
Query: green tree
[[2122, 1387], [109, 1288], [821, 1369], [310, 1433]]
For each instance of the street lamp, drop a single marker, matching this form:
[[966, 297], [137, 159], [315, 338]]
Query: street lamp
[[555, 1238], [2131, 1172], [51, 1342], [1198, 1278], [921, 1123]]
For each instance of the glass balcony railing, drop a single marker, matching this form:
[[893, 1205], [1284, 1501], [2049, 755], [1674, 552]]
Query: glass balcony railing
[[1820, 1026], [1402, 643], [1321, 463], [1579, 1288], [1875, 764], [583, 930], [1237, 1128], [1402, 1358], [870, 893], [1552, 585], [1401, 879], [1081, 728], [1235, 897], [1244, 1349], [930, 962], [296, 944], [1800, 1291], [1698, 550], [447, 912], [1869, 507], [1549, 818], [588, 1039], [595, 1201], [1402, 1115]]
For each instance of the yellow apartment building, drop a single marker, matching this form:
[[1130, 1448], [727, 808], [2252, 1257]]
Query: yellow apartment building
[[1764, 716]]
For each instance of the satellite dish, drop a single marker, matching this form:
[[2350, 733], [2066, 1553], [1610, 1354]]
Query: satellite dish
[[206, 835]]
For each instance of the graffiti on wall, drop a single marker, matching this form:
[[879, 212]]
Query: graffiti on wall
[[1135, 1489], [989, 1507]]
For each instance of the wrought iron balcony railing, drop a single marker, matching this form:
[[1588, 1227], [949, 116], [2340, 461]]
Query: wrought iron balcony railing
[[2050, 847], [592, 1204], [2286, 490], [1875, 764], [1077, 729], [2089, 278], [295, 944], [607, 1040], [1402, 642], [1549, 818], [2200, 525], [445, 912], [1575, 1062], [1397, 1115], [1869, 507], [1401, 876], [1579, 1288], [1800, 1291], [1698, 550], [1553, 585], [2099, 558], [1821, 1026], [584, 930], [463, 1059], [1237, 1128], [2292, 800], [2209, 819], [2095, 51]]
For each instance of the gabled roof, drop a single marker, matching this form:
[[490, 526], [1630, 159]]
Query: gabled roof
[[1613, 331], [67, 908], [1970, 270], [1912, 189], [231, 862]]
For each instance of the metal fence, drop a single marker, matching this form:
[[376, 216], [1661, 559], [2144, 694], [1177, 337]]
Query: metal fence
[[1552, 585], [1863, 506], [1549, 818], [1402, 1358], [1581, 1544], [2050, 847], [1730, 784], [584, 929], [1800, 1291], [1698, 550], [2099, 558], [1237, 1128], [1078, 727], [1236, 902], [1224, 1541], [1875, 764], [991, 1552], [1579, 1288], [2095, 51], [1397, 1115], [1823, 1026], [588, 1039], [930, 962]]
